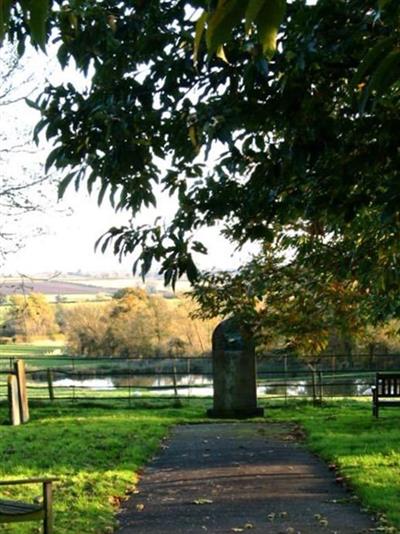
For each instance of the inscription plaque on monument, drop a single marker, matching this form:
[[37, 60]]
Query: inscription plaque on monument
[[234, 373]]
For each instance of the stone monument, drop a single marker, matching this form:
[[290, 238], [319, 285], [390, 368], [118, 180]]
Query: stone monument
[[234, 373]]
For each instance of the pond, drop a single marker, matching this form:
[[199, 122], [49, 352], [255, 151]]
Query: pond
[[191, 385]]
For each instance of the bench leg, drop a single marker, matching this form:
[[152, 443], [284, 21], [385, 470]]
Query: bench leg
[[48, 508], [375, 402]]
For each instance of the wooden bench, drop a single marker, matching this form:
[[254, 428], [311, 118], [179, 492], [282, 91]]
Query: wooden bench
[[17, 511], [386, 389]]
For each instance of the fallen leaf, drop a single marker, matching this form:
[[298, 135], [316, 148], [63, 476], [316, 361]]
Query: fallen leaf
[[140, 507], [202, 501], [115, 500]]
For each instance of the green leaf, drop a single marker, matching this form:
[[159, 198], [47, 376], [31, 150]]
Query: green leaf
[[32, 104], [52, 158], [200, 26], [62, 186], [221, 22], [268, 21], [252, 11], [386, 73], [37, 11], [5, 10], [369, 62]]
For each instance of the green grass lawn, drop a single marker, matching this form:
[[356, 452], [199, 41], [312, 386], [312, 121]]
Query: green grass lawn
[[97, 451]]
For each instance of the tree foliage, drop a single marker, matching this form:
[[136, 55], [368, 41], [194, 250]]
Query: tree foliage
[[271, 149], [136, 324], [283, 300], [30, 315]]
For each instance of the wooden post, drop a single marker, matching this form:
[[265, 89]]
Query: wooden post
[[13, 400], [50, 384], [285, 371], [177, 401], [48, 508], [19, 367], [314, 391], [321, 386]]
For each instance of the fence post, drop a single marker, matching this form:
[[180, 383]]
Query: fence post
[[50, 383], [285, 372], [174, 381], [314, 392], [321, 387], [19, 368], [13, 400]]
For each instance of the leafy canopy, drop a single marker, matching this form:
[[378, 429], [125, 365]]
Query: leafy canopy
[[292, 157]]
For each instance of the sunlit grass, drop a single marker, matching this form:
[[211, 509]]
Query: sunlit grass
[[98, 450]]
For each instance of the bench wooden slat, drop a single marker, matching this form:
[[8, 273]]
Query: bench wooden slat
[[36, 480], [17, 511], [18, 507], [13, 518]]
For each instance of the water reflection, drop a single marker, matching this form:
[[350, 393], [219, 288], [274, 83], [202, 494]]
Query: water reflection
[[201, 385]]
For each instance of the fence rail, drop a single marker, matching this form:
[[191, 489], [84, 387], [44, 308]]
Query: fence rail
[[64, 377]]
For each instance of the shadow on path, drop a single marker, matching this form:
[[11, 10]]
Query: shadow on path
[[239, 477]]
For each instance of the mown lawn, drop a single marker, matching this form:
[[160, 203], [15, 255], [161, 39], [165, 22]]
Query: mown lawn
[[97, 451]]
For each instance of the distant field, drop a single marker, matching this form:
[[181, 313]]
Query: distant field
[[79, 288], [154, 284], [50, 287], [39, 348]]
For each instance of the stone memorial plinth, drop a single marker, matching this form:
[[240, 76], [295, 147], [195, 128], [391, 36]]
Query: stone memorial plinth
[[234, 373]]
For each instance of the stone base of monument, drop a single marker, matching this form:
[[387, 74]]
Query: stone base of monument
[[239, 413]]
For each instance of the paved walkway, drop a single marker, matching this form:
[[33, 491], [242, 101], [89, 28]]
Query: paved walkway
[[240, 477]]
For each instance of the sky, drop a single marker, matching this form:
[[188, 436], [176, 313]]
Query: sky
[[72, 226]]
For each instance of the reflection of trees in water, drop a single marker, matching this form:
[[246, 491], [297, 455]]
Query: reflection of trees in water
[[161, 381], [304, 388], [341, 386]]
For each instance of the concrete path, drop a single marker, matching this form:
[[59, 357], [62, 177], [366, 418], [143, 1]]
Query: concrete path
[[240, 477]]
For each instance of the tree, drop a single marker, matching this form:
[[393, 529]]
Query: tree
[[131, 328], [218, 18], [30, 315], [135, 324], [23, 193], [85, 328], [274, 298], [296, 158]]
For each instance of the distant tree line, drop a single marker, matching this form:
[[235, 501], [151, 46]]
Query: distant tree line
[[133, 324]]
